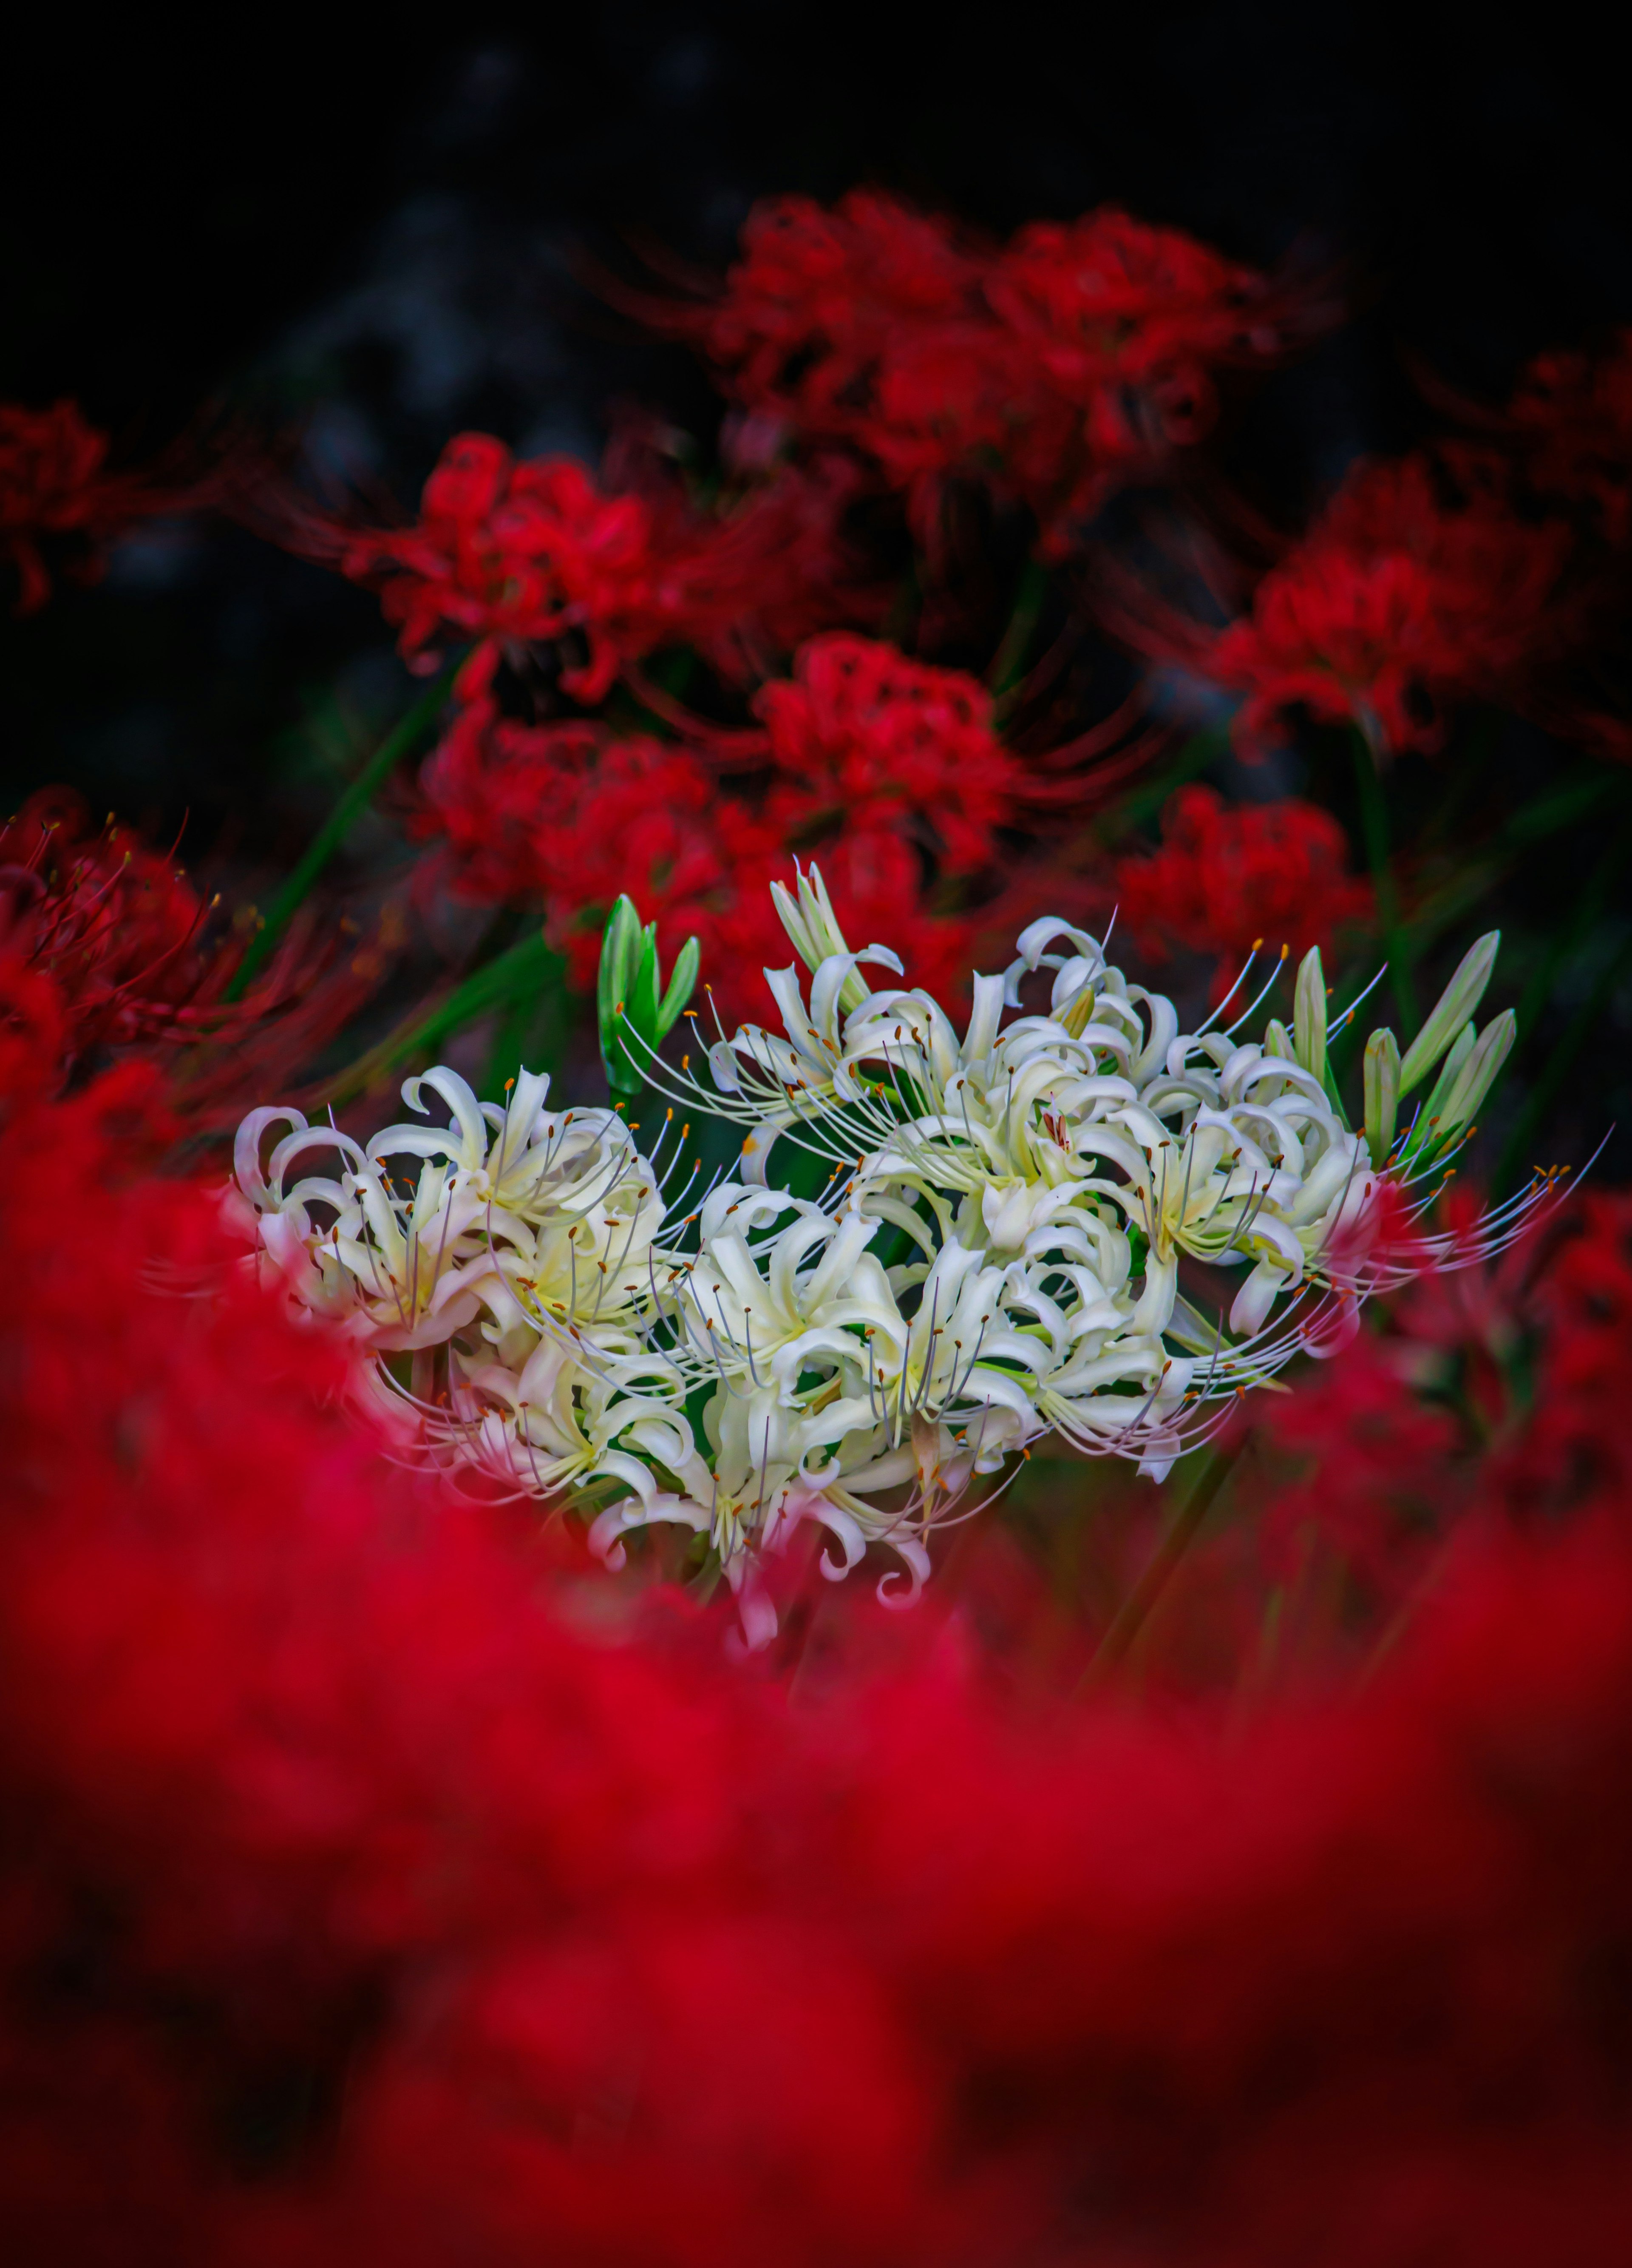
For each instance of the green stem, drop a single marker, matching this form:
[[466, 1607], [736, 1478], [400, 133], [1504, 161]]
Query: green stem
[[1374, 826], [1473, 746], [904, 607], [1545, 1092], [531, 1034], [1560, 806], [1199, 750], [1548, 814], [1009, 658], [1137, 1609], [531, 962], [337, 826], [1568, 942]]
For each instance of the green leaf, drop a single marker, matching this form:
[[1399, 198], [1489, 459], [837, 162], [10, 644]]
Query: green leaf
[[334, 829], [530, 967]]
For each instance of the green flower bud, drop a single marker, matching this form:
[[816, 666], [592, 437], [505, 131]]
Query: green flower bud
[[1382, 1093], [1455, 1006], [1478, 1074], [1309, 1014], [1431, 1120], [628, 995]]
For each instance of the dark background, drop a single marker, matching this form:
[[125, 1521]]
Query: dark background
[[372, 229]]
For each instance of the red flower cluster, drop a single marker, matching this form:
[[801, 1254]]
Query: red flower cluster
[[1071, 359], [1574, 1445], [124, 940], [1380, 1487], [54, 482], [1230, 876], [1488, 1394], [1571, 418], [1396, 603], [875, 763], [866, 742], [1568, 431], [512, 555], [367, 1898]]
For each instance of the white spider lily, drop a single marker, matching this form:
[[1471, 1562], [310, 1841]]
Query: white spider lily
[[405, 1269], [552, 1423], [996, 1257], [1264, 1172], [768, 1476], [793, 1303], [584, 1203]]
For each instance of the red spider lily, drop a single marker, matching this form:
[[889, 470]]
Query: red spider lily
[[1573, 1447], [1381, 1487], [571, 815], [109, 917], [1072, 359], [1125, 324], [369, 1895], [1229, 877], [1396, 605], [1568, 432], [869, 752], [514, 555], [863, 737], [55, 484], [126, 943], [1571, 418], [812, 309]]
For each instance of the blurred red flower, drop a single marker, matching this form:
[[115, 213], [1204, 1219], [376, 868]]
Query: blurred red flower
[[510, 555], [1396, 604], [54, 482], [572, 815], [135, 965], [864, 739], [1072, 359], [1124, 326], [375, 1891], [1230, 876], [1570, 416]]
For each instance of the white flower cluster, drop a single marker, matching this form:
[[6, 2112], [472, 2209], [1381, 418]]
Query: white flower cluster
[[996, 1254]]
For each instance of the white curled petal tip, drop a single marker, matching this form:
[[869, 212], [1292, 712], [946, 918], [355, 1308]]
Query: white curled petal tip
[[617, 1466], [246, 1147], [610, 1525], [903, 1585], [845, 1532]]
